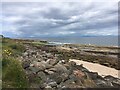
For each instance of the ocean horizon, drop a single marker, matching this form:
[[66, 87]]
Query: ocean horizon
[[90, 40]]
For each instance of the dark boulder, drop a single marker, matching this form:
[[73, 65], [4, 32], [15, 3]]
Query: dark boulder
[[115, 81], [26, 64]]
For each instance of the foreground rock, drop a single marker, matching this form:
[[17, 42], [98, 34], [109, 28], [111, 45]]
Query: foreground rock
[[45, 70]]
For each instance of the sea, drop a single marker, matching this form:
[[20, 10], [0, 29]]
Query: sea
[[96, 40]]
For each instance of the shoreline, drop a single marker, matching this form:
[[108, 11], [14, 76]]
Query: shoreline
[[100, 69], [63, 43], [50, 64]]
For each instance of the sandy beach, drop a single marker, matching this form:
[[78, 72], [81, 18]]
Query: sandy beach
[[102, 70]]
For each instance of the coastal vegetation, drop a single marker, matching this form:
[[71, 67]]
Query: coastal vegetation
[[13, 74]]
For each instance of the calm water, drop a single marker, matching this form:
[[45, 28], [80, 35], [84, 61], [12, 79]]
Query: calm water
[[102, 41]]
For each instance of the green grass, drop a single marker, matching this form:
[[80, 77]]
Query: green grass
[[13, 75], [39, 43], [15, 48]]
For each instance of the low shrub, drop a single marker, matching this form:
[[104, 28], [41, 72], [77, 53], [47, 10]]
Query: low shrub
[[13, 74]]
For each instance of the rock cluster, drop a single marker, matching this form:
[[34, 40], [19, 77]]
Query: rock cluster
[[45, 70]]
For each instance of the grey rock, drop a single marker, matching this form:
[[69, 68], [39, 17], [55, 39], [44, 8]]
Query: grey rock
[[102, 83], [116, 84], [54, 73], [73, 78], [61, 68], [61, 62], [45, 58], [115, 81], [93, 75], [68, 83], [56, 55], [39, 60], [42, 65], [52, 61], [42, 75], [48, 87], [31, 65], [52, 84], [52, 69], [58, 80], [63, 86], [64, 77], [49, 55], [34, 69], [59, 87], [56, 77], [42, 86], [71, 86], [31, 77], [49, 72]]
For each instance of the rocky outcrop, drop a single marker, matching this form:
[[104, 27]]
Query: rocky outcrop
[[46, 70]]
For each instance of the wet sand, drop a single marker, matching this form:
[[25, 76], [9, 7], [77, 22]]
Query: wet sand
[[102, 70]]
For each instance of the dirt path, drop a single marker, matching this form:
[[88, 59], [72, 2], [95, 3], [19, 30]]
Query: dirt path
[[102, 70]]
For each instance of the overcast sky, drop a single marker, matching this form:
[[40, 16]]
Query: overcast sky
[[46, 19]]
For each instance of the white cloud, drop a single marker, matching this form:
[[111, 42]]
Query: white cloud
[[66, 32], [12, 19], [60, 18]]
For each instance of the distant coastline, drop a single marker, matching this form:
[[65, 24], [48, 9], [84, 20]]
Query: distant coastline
[[86, 40]]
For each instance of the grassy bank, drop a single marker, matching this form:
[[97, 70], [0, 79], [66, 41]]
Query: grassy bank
[[13, 75]]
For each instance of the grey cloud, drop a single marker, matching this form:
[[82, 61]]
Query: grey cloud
[[55, 14], [44, 19]]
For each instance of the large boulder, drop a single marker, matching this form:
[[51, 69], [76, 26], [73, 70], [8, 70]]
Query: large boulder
[[52, 61], [48, 72], [115, 81], [64, 77], [42, 75], [56, 77], [60, 68], [42, 65], [70, 84], [34, 69], [52, 84], [102, 83]]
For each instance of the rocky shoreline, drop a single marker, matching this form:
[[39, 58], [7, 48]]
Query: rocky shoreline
[[100, 69], [101, 55], [46, 68]]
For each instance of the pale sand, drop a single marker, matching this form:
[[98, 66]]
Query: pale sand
[[102, 70]]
